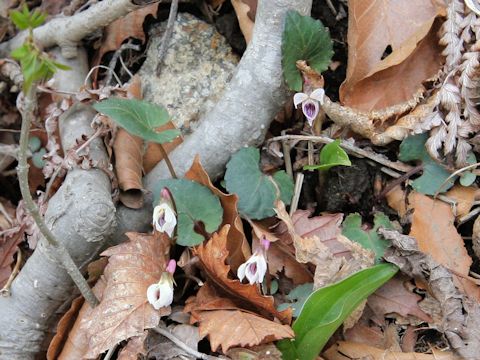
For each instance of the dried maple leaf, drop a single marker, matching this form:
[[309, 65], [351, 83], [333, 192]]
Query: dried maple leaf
[[124, 311], [406, 29], [433, 226], [394, 297], [237, 245], [212, 256], [229, 328]]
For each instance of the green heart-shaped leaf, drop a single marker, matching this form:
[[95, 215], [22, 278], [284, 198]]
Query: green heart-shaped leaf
[[304, 39], [331, 155], [194, 203], [139, 118]]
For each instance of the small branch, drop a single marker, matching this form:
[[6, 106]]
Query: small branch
[[22, 170], [182, 345], [350, 148], [167, 35], [297, 192]]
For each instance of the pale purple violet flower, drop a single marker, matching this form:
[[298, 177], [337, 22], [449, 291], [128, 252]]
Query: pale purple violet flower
[[255, 267], [310, 103], [161, 293]]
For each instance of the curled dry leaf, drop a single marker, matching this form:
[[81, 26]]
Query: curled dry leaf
[[124, 311], [237, 244], [345, 350], [229, 328], [460, 320], [128, 151], [213, 255], [433, 226], [375, 82]]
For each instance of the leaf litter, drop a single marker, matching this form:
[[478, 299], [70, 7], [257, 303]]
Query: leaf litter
[[393, 90]]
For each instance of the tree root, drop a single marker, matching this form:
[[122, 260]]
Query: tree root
[[81, 214]]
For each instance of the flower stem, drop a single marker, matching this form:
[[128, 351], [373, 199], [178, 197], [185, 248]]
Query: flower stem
[[22, 170], [167, 161]]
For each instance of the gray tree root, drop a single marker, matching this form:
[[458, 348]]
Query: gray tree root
[[252, 99], [81, 215]]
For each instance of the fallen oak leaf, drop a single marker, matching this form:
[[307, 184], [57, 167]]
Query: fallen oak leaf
[[212, 256], [124, 311], [229, 328]]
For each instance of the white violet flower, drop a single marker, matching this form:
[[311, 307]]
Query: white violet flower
[[310, 103], [164, 217], [161, 293], [255, 267]]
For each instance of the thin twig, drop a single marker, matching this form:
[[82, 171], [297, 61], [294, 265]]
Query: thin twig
[[167, 35], [286, 156], [452, 175], [22, 171], [110, 352], [350, 148], [113, 62], [468, 216], [182, 345], [5, 291], [399, 180], [167, 161]]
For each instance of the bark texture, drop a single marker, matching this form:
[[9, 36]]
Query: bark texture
[[81, 215]]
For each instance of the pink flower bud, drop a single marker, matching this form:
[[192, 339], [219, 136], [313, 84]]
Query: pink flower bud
[[171, 266]]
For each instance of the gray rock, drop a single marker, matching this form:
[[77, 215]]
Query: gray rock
[[197, 66]]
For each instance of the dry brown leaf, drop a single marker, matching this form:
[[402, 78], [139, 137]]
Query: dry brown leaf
[[237, 244], [212, 256], [394, 297], [464, 197], [344, 350], [9, 241], [130, 25], [133, 348], [433, 226], [128, 151], [64, 327], [406, 29], [246, 23], [229, 328], [334, 256], [124, 311], [77, 341]]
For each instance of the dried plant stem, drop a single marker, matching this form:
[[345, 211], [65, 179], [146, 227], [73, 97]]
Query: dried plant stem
[[167, 161], [297, 192], [182, 345], [350, 148], [22, 171], [167, 35]]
